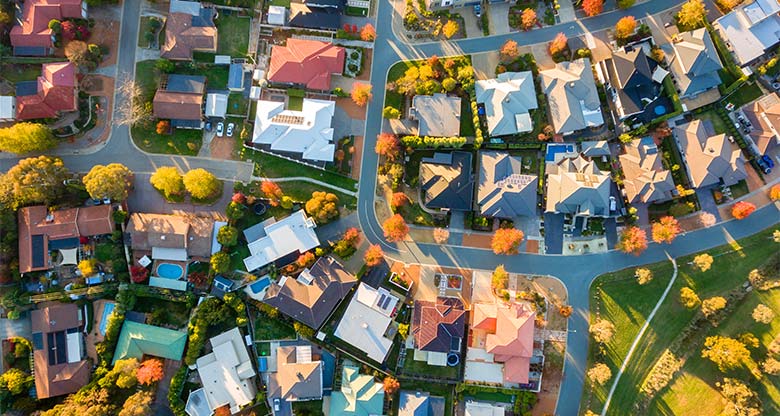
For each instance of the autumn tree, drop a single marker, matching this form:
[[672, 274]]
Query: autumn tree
[[450, 29], [110, 181], [398, 200], [592, 7], [26, 137], [707, 219], [633, 240], [88, 267], [711, 306], [395, 228], [388, 145], [763, 314], [740, 399], [771, 366], [643, 275], [272, 191], [528, 19], [391, 385], [35, 180], [15, 381], [703, 262], [509, 51], [368, 33], [565, 311], [441, 235], [689, 298], [352, 236], [139, 404], [599, 374], [692, 14], [220, 262], [506, 241], [742, 210], [168, 181], [304, 330], [227, 236], [77, 52], [625, 27], [500, 279], [163, 126], [602, 331], [323, 206], [374, 255], [201, 184], [361, 93], [150, 372], [774, 192], [306, 259], [727, 353], [665, 230], [558, 44]]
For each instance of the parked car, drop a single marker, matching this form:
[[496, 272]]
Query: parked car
[[612, 203], [478, 10], [737, 125], [230, 128], [208, 126], [768, 160], [741, 118], [220, 129], [763, 166]]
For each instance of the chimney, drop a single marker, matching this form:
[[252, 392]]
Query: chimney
[[299, 375]]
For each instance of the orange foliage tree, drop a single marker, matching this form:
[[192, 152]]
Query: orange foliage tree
[[395, 228], [509, 51], [222, 411], [368, 33], [633, 241], [272, 191], [665, 230], [163, 126], [361, 94], [742, 210], [399, 199], [150, 371], [374, 255], [774, 192], [558, 44], [306, 259], [592, 7], [388, 145], [352, 236], [625, 27], [528, 18], [391, 385], [506, 241]]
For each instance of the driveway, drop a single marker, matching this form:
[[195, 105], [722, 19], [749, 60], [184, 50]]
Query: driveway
[[471, 23], [498, 18], [707, 202], [485, 64], [553, 233]]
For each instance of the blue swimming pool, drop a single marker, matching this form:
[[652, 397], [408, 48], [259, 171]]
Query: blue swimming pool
[[555, 148], [108, 309], [170, 271]]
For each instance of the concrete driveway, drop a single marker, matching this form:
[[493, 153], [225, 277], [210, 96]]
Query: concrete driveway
[[485, 64], [471, 23], [498, 17], [553, 233], [707, 202]]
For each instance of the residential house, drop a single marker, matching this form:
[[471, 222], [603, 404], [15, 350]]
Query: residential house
[[55, 92], [750, 30], [439, 329], [42, 232], [503, 190], [474, 408], [313, 296], [365, 322], [420, 403], [710, 159], [307, 133], [632, 82], [764, 115], [316, 14], [31, 35], [360, 395], [446, 181], [437, 115], [578, 187], [137, 340], [7, 108], [189, 28], [180, 100], [595, 148], [444, 4], [299, 377], [280, 242], [694, 62], [573, 100], [508, 99], [226, 373], [59, 360], [308, 63], [646, 180]]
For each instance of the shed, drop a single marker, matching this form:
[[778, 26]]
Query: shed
[[216, 105], [277, 15], [222, 60], [7, 108]]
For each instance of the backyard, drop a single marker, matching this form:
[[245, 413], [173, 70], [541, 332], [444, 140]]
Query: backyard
[[233, 37], [272, 329], [237, 104], [14, 73], [413, 367]]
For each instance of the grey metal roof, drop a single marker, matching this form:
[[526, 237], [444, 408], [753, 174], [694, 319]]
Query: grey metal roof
[[438, 114], [572, 96], [507, 99], [186, 83], [503, 191], [446, 181]]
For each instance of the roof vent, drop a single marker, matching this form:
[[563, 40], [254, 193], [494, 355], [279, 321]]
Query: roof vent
[[162, 237], [571, 84], [49, 217]]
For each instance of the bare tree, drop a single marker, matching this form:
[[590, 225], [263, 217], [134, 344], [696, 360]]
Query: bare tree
[[130, 105]]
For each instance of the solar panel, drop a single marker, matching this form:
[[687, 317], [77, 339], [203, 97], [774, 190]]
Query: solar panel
[[37, 341], [62, 349], [36, 242], [52, 349], [381, 299], [387, 302]]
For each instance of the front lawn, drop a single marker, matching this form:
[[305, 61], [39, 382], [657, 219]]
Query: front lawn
[[237, 104], [272, 329], [746, 93], [233, 35], [283, 3], [146, 26], [181, 142], [421, 368], [276, 167]]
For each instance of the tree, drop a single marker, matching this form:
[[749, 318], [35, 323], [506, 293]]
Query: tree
[[272, 191], [235, 210], [201, 184], [509, 51], [403, 330], [361, 94], [712, 305], [395, 228], [689, 298], [771, 366], [110, 181], [776, 236], [625, 27], [756, 278], [391, 385], [633, 240], [665, 230], [528, 19], [26, 137], [87, 267], [449, 84], [643, 276], [740, 399], [441, 235], [168, 181], [707, 219], [388, 145], [227, 236], [306, 259], [727, 353], [220, 262], [391, 113], [163, 126], [123, 374], [323, 206], [592, 7], [692, 14], [77, 52], [763, 314], [139, 274], [351, 236], [742, 210], [398, 200], [558, 44], [303, 330], [374, 255], [139, 404], [565, 311], [625, 4], [368, 33], [506, 241], [703, 262], [602, 331], [450, 29], [54, 24], [599, 374], [164, 65], [33, 180], [774, 192], [15, 380], [150, 371], [500, 279]]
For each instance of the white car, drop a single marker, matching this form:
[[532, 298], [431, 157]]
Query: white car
[[220, 129], [231, 126]]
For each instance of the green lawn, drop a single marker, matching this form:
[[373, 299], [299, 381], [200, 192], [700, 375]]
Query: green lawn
[[276, 167], [294, 103], [356, 11], [625, 303], [181, 142], [233, 35], [394, 99], [717, 122], [283, 3], [272, 329], [14, 73], [237, 104], [466, 118], [311, 408], [146, 27], [421, 368], [748, 92], [414, 214], [237, 256], [147, 78]]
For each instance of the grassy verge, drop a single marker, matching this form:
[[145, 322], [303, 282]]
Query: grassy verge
[[356, 11], [276, 167], [181, 142], [233, 35]]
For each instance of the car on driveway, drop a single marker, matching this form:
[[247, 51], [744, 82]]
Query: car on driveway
[[220, 129], [230, 128], [768, 160]]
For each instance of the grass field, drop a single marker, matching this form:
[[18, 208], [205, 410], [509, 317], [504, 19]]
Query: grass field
[[233, 37], [237, 104], [181, 142], [277, 167]]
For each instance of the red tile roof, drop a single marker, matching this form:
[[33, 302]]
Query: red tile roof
[[512, 339], [436, 324], [182, 38], [306, 62], [56, 93], [177, 105], [33, 31]]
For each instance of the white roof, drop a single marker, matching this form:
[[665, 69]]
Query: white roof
[[167, 253], [167, 283], [188, 7], [216, 105], [145, 261], [364, 323], [307, 132], [479, 367], [254, 92], [197, 405], [227, 371], [277, 15], [215, 246], [507, 99], [751, 29], [483, 409], [294, 233], [75, 344], [222, 59], [7, 107]]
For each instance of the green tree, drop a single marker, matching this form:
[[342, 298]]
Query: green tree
[[110, 181], [220, 262], [449, 84], [15, 381], [26, 137], [391, 113], [163, 65], [227, 236], [201, 184], [303, 330], [234, 211], [727, 353], [55, 26], [139, 404], [33, 180], [168, 181]]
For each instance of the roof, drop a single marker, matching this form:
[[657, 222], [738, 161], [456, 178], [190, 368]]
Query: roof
[[298, 376], [695, 62], [438, 115], [572, 97], [38, 228], [302, 15], [236, 77], [438, 326], [483, 409], [419, 403], [149, 231], [595, 148], [180, 97], [7, 107], [216, 105], [577, 186], [764, 115], [137, 340], [710, 157], [293, 234], [277, 15], [227, 372], [446, 181], [510, 337], [197, 405], [360, 395], [751, 29], [33, 28], [55, 92], [306, 62], [313, 296], [508, 99], [366, 319], [188, 29], [504, 191], [308, 132], [57, 354], [645, 180], [631, 74]]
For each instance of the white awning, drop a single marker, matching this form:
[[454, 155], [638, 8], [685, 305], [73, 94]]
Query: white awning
[[167, 283], [69, 256], [145, 261], [215, 246], [174, 254], [659, 74]]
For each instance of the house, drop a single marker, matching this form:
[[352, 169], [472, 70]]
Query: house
[[304, 62], [595, 148], [437, 115], [694, 62], [646, 181], [764, 115], [216, 105], [137, 340], [750, 30], [277, 15], [503, 190], [366, 321], [31, 35], [578, 187], [711, 159], [420, 403], [180, 99], [59, 360], [54, 93], [360, 395], [631, 80], [7, 108], [236, 77], [226, 373], [474, 408], [299, 377], [508, 99], [307, 133], [280, 241], [188, 28], [43, 231], [446, 181], [573, 100], [439, 329], [316, 14], [314, 295]]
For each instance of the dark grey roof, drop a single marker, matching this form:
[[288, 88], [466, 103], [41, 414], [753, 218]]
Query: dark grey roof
[[186, 83], [446, 181], [30, 51], [205, 18], [302, 15], [186, 124], [236, 76], [503, 190], [26, 88], [631, 74]]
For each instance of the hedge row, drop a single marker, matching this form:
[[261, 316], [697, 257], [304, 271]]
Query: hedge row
[[174, 392], [421, 142]]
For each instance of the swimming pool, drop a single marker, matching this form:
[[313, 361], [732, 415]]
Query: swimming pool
[[108, 309], [170, 271], [554, 149]]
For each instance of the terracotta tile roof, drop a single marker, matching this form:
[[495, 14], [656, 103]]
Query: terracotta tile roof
[[764, 115], [438, 326], [182, 38], [306, 62], [56, 92], [33, 29], [177, 105], [512, 340], [171, 231]]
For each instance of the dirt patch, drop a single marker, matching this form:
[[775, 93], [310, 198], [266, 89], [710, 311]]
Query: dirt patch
[[106, 34], [365, 75], [477, 240], [356, 157], [223, 148], [551, 383], [353, 110]]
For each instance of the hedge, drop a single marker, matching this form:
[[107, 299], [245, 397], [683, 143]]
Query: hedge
[[421, 142], [174, 392]]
